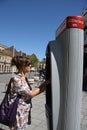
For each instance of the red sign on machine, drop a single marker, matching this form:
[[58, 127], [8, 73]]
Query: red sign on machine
[[71, 22]]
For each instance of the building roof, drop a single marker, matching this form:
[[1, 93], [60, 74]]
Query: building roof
[[10, 51], [4, 46]]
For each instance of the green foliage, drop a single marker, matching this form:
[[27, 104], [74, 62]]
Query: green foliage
[[34, 60], [36, 63]]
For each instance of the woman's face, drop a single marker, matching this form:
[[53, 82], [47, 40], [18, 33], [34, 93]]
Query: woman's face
[[26, 68]]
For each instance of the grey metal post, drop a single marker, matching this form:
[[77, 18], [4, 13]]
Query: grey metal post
[[66, 54]]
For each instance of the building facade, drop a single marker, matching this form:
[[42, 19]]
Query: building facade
[[6, 54]]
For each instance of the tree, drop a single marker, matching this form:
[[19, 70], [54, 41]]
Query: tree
[[34, 60]]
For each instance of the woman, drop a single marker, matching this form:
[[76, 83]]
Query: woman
[[19, 86]]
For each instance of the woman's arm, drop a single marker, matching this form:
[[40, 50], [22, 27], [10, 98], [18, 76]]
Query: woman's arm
[[40, 89]]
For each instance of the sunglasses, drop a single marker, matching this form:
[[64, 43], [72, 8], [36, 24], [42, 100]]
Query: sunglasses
[[28, 64]]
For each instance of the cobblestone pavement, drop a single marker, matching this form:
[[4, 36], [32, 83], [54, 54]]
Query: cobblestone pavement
[[38, 111]]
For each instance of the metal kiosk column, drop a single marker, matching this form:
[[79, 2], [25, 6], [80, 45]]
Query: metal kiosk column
[[64, 66]]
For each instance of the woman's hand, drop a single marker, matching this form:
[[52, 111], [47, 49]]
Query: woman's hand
[[40, 89], [47, 82]]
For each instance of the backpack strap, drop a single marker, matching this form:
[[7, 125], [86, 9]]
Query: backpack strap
[[28, 83], [29, 100], [9, 86]]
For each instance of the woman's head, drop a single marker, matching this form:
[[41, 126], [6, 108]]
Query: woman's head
[[20, 61]]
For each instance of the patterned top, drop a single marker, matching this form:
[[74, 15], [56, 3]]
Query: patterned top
[[19, 86]]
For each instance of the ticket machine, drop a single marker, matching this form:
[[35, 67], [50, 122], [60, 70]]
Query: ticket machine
[[64, 67]]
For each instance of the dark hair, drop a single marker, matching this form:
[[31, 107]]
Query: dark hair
[[20, 61]]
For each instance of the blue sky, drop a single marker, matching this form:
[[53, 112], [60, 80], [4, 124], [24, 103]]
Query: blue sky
[[30, 24]]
